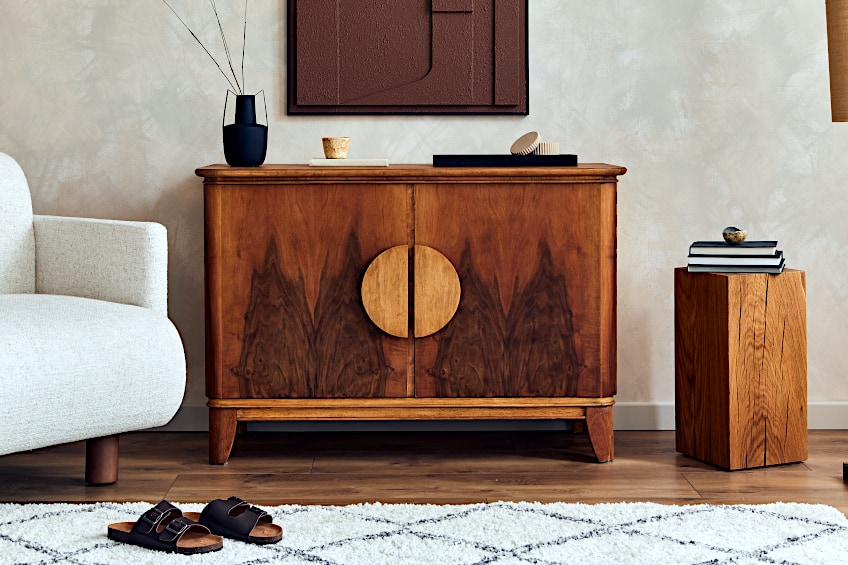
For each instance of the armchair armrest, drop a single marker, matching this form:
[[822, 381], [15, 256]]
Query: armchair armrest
[[112, 260]]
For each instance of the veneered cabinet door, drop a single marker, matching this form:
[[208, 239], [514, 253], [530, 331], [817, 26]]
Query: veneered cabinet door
[[536, 264], [285, 263]]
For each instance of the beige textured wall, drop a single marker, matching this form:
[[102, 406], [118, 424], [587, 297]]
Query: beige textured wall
[[720, 111]]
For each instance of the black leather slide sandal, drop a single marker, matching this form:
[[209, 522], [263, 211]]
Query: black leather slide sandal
[[165, 528], [236, 519]]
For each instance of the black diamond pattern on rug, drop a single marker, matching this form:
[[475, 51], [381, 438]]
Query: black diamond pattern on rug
[[499, 534]]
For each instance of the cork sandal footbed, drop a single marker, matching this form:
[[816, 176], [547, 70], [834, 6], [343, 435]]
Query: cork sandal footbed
[[189, 544]]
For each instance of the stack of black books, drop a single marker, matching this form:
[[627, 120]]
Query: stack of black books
[[745, 257]]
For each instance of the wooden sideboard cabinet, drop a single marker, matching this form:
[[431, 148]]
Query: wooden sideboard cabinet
[[331, 294]]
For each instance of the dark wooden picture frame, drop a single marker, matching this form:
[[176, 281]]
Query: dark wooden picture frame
[[407, 57]]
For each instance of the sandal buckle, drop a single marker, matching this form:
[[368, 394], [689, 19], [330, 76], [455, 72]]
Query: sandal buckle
[[182, 524], [157, 516]]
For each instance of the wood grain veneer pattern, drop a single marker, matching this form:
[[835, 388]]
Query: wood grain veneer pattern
[[526, 351], [537, 264], [289, 318]]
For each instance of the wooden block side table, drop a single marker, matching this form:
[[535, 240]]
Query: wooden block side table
[[741, 367]]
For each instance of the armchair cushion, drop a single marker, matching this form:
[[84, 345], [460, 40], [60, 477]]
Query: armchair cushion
[[112, 260], [74, 368]]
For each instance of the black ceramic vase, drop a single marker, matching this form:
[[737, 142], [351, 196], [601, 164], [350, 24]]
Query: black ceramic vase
[[245, 141]]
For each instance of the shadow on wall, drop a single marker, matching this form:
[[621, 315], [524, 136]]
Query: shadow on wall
[[181, 211]]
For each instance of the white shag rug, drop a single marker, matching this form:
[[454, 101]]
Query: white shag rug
[[498, 534]]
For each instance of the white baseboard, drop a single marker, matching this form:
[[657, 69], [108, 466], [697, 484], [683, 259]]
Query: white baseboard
[[660, 415], [628, 416], [827, 415], [643, 416]]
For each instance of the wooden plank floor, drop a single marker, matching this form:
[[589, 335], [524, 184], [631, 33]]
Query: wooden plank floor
[[422, 467]]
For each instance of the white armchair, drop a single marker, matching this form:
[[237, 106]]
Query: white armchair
[[86, 348]]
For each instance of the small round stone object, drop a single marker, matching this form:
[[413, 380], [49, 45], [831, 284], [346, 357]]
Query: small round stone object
[[734, 236]]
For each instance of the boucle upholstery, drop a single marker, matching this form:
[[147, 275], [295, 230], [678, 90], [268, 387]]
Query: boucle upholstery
[[17, 247], [86, 348], [124, 262], [75, 368]]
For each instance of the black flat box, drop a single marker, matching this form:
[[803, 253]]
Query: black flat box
[[564, 160]]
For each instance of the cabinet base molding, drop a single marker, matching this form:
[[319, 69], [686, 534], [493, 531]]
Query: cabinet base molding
[[226, 414]]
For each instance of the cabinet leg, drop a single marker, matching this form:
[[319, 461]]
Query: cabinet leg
[[599, 426], [222, 434]]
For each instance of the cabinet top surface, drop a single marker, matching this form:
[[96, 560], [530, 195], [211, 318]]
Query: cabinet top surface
[[406, 173]]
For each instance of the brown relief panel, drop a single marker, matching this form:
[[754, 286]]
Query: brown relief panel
[[531, 319], [410, 56], [290, 318]]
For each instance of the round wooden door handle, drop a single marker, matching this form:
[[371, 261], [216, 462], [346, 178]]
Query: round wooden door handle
[[385, 291], [436, 291]]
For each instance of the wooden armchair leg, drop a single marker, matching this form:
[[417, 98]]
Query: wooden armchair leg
[[101, 460]]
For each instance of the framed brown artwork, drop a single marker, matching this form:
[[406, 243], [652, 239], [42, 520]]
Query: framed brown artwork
[[407, 57]]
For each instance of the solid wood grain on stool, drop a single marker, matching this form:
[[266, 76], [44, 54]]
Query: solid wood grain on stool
[[741, 368]]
